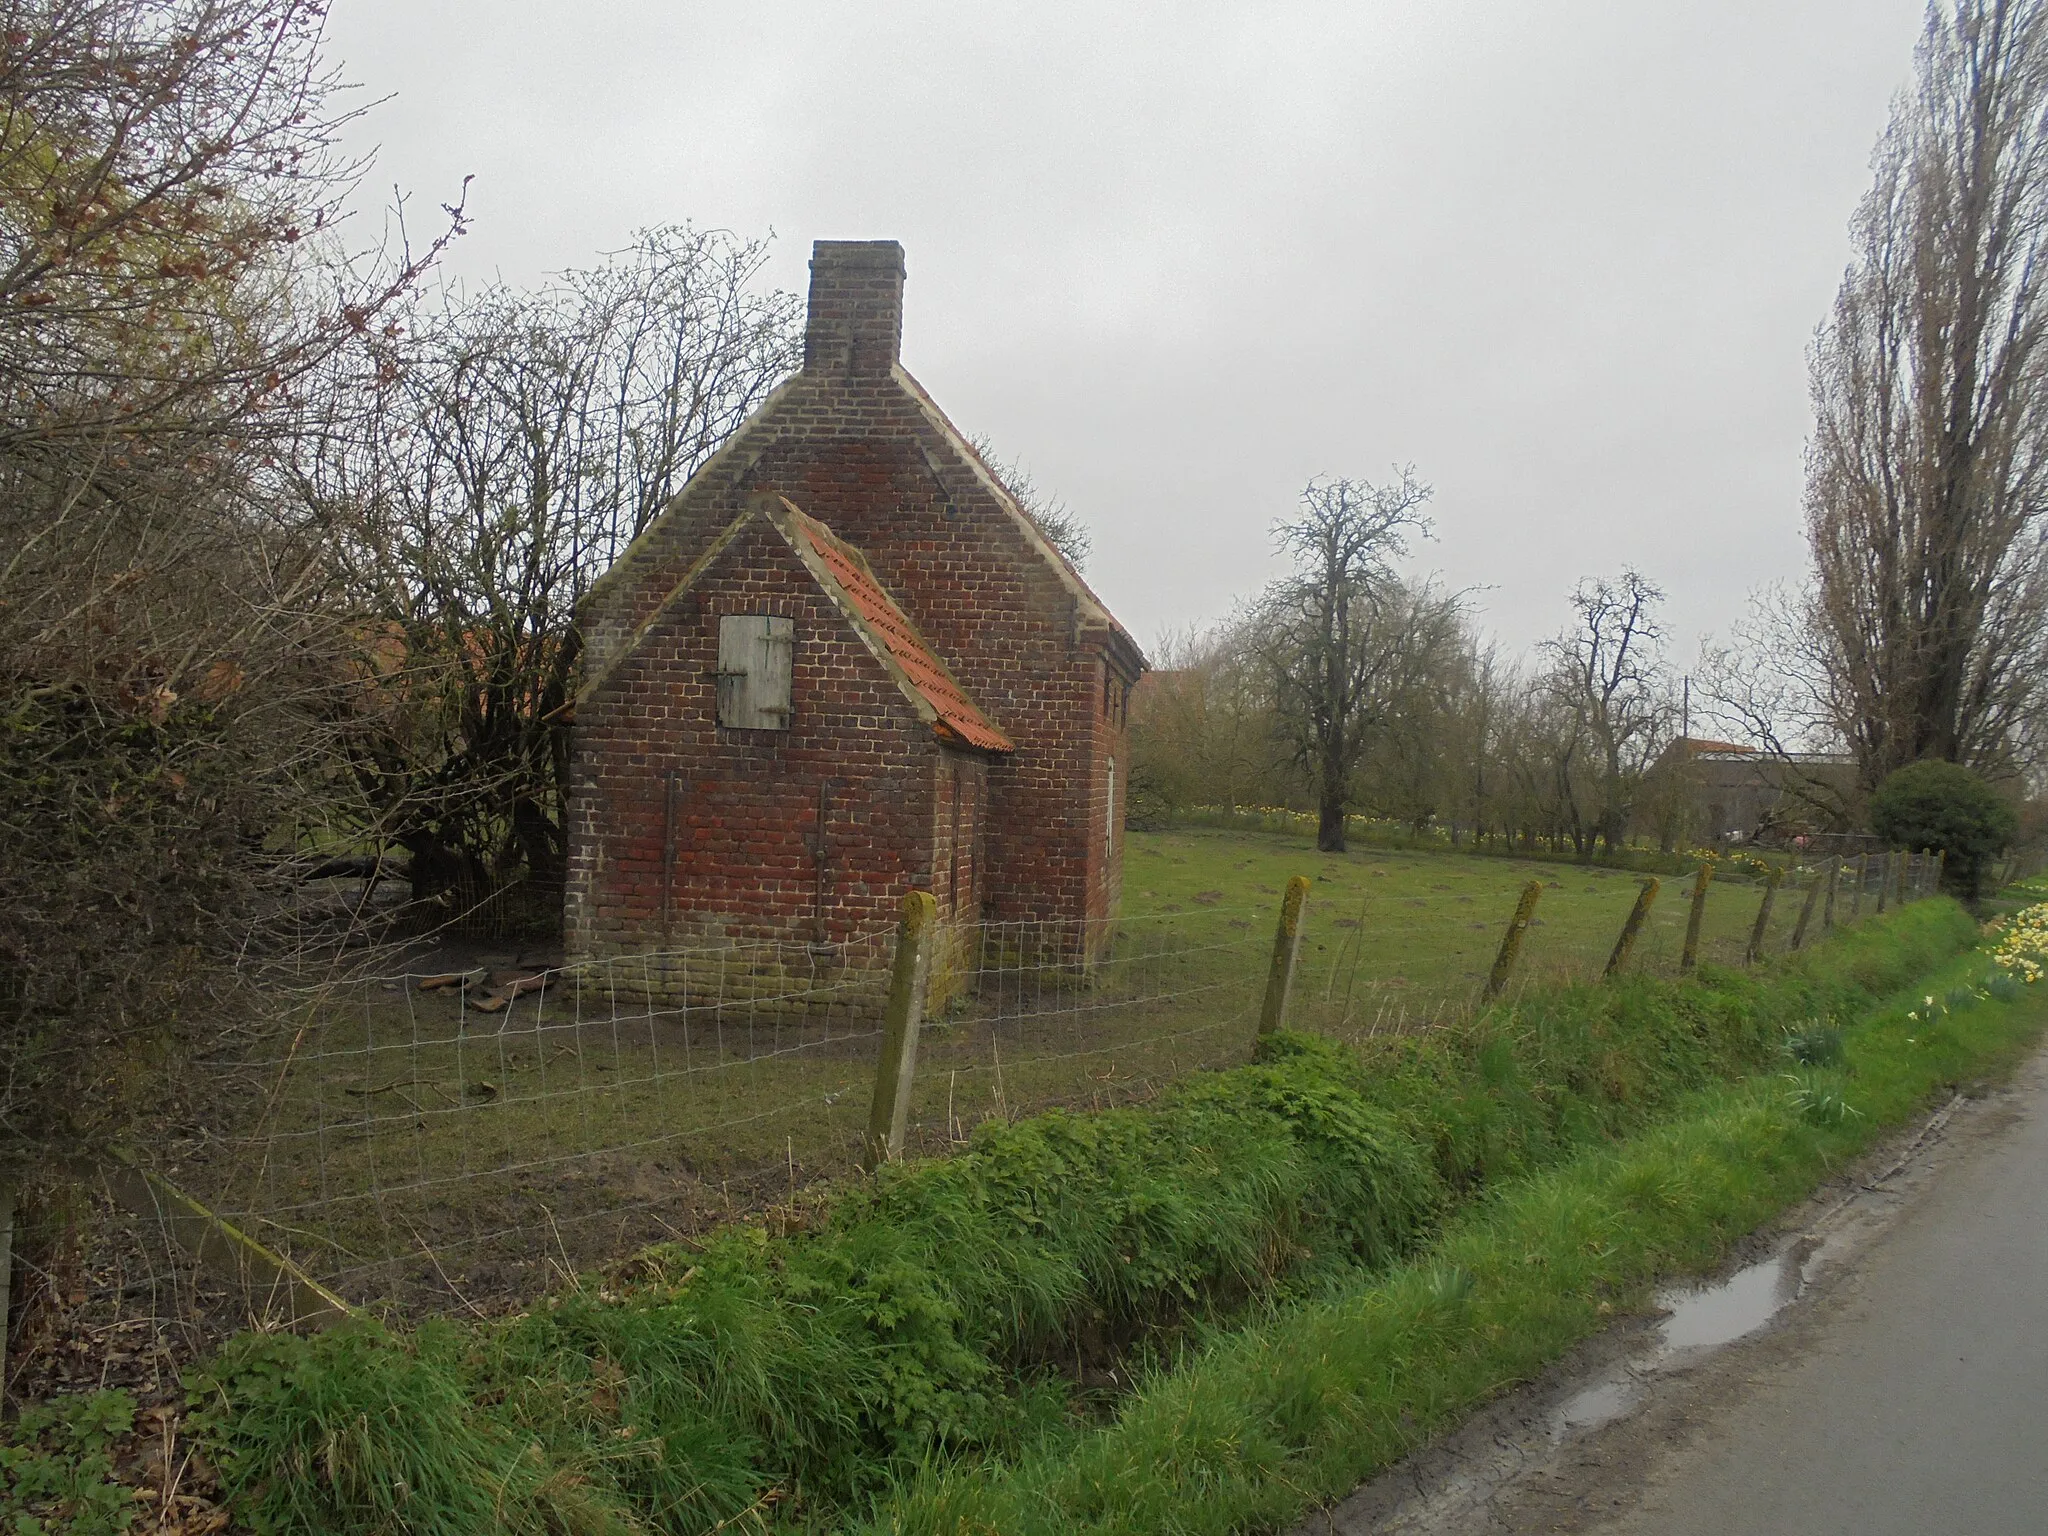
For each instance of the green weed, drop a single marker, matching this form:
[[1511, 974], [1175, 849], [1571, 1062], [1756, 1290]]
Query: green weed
[[1819, 1096], [1814, 1043], [1273, 1418], [57, 1468]]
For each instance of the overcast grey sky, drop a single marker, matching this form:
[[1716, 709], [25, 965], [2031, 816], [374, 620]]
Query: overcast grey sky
[[1563, 255]]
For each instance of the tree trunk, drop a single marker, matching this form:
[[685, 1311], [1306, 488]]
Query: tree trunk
[[1330, 821]]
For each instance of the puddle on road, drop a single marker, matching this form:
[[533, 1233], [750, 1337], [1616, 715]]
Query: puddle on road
[[1597, 1405], [1701, 1317], [1705, 1316]]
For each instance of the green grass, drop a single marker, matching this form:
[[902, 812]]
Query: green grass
[[952, 1343], [1395, 939], [414, 1148], [1250, 1432]]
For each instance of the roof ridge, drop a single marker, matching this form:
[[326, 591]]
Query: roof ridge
[[1069, 573]]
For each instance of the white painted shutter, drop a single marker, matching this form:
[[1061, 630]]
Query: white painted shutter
[[756, 655]]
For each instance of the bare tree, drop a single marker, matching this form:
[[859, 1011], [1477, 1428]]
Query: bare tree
[[1927, 476], [169, 277], [1605, 675], [1409, 769], [1333, 632], [489, 460], [1202, 728]]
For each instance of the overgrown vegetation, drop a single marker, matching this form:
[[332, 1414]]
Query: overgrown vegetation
[[1252, 1430], [57, 1468], [1944, 806], [170, 640], [954, 1315]]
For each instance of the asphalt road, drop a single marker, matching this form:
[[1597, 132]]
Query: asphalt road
[[1918, 1402], [1899, 1389]]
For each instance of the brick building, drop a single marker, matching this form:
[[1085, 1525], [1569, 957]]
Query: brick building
[[840, 665], [1722, 791]]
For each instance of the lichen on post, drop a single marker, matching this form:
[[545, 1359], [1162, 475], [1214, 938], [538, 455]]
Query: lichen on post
[[1511, 941], [1286, 947], [1633, 927], [1690, 957]]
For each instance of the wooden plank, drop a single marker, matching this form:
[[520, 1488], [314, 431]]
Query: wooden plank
[[277, 1291]]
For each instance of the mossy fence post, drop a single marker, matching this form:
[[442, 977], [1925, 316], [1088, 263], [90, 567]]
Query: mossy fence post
[[1763, 916], [1806, 911], [1827, 916], [1286, 948], [1646, 898], [1856, 900], [1689, 958], [1511, 942], [1906, 864], [1884, 881], [889, 1115], [1940, 869]]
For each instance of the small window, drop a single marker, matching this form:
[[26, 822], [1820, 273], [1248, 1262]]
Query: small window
[[756, 654]]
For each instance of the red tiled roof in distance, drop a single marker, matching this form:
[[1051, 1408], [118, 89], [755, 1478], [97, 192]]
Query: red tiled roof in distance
[[959, 718]]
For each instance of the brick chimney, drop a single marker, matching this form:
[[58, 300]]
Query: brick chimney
[[856, 318]]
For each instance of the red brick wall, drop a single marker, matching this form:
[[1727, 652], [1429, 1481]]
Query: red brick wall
[[746, 862], [858, 446], [958, 838]]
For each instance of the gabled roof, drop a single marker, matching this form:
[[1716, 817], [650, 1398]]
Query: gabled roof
[[851, 583], [1095, 610], [845, 577]]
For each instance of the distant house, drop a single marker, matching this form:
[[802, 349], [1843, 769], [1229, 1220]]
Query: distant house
[[843, 664], [1722, 791]]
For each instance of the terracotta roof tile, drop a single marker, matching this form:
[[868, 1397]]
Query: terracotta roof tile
[[959, 719]]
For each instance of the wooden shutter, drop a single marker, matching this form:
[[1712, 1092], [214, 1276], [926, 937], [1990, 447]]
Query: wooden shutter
[[756, 655], [1109, 831]]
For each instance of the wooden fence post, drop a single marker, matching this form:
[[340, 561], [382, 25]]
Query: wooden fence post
[[1827, 917], [1646, 898], [1862, 874], [1763, 916], [1511, 942], [1940, 869], [1907, 864], [889, 1115], [1286, 946], [1691, 955], [1806, 912], [1884, 882]]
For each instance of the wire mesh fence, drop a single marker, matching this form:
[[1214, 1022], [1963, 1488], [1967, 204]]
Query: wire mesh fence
[[477, 1137], [468, 1140], [1088, 1014]]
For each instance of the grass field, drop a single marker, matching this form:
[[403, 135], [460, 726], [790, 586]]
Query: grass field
[[1411, 936], [1185, 1317], [407, 1145]]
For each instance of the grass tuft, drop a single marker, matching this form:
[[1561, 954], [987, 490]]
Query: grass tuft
[[1814, 1043]]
